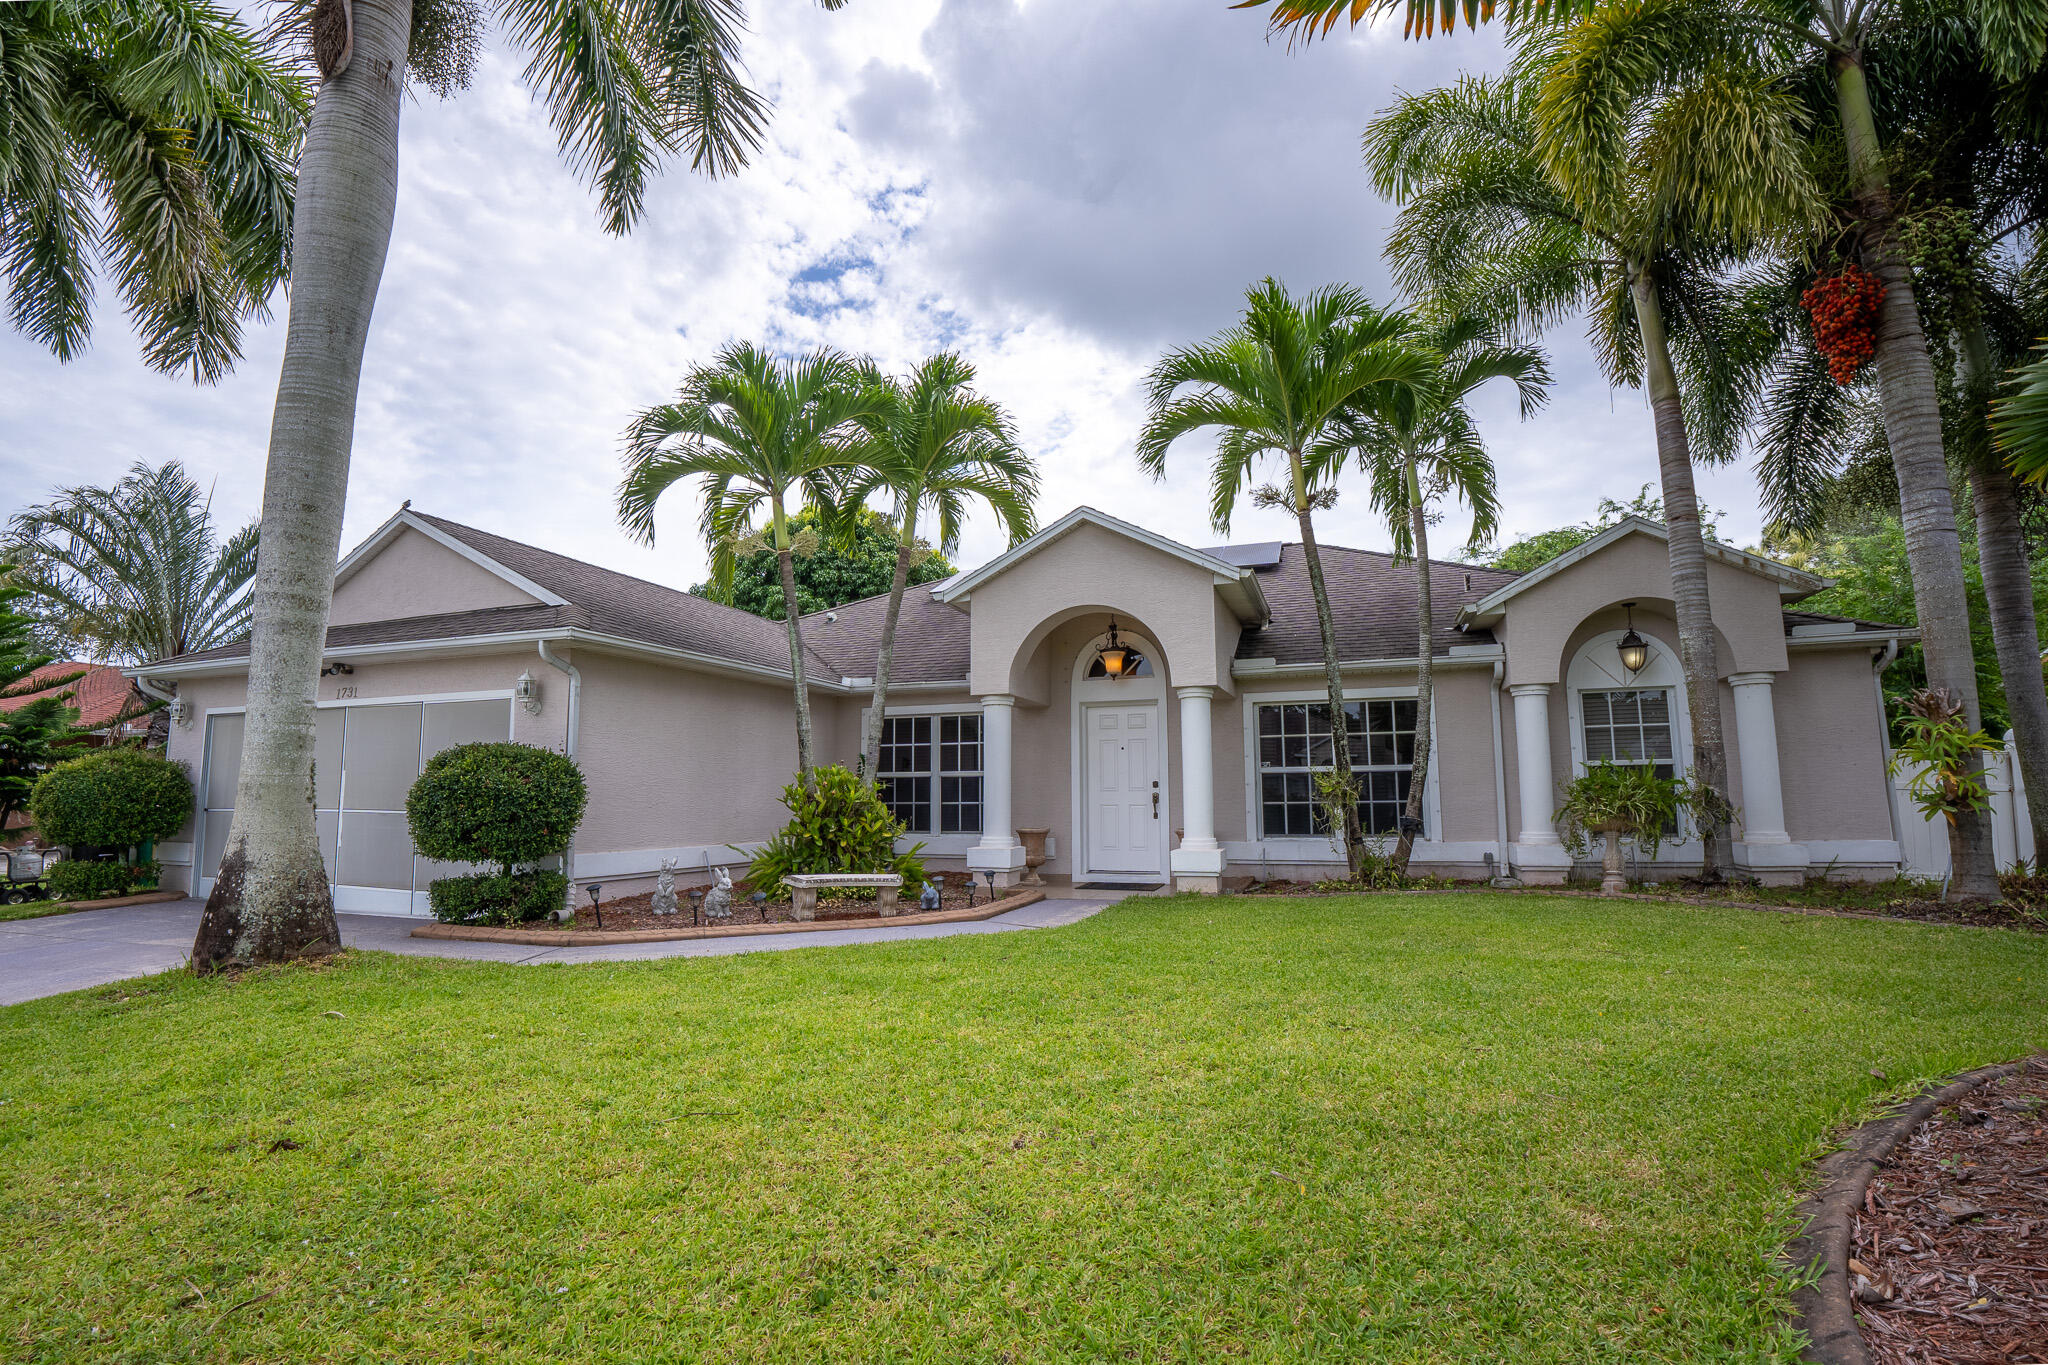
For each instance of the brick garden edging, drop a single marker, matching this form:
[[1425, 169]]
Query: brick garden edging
[[116, 902], [591, 938], [1826, 1308]]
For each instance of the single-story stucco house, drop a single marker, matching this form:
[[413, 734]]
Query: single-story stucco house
[[1192, 766]]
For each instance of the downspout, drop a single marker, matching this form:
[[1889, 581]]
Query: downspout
[[1886, 657], [568, 911], [154, 689], [1500, 772]]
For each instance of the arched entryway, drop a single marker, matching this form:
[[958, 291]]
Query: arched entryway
[[1121, 763]]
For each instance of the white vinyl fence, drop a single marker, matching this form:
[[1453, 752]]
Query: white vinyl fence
[[1923, 843]]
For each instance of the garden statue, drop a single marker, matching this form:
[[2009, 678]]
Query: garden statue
[[665, 888], [928, 899], [718, 900]]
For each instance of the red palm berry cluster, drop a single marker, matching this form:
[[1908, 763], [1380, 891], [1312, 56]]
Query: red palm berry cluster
[[1845, 306]]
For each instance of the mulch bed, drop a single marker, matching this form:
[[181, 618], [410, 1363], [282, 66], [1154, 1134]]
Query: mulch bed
[[1977, 914], [637, 912], [1949, 1258]]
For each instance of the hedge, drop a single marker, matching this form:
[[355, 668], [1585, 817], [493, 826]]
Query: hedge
[[493, 898], [111, 798], [499, 803], [91, 880]]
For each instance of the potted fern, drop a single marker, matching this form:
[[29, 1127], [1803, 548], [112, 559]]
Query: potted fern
[[1624, 801]]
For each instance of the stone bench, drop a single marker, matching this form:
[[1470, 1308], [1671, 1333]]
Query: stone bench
[[805, 886]]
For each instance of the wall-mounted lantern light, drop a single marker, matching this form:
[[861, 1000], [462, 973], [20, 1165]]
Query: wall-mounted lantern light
[[527, 693], [337, 670], [1633, 648], [1115, 655], [181, 712]]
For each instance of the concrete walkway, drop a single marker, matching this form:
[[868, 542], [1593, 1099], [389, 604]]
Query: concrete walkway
[[60, 953]]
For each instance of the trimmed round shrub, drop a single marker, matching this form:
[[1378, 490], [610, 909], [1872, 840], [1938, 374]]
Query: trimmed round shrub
[[498, 803], [493, 898], [90, 880], [111, 798], [837, 824]]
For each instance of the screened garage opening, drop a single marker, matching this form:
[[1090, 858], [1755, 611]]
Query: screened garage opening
[[366, 756]]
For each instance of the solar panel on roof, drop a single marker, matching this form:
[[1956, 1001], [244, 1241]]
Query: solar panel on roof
[[1264, 554]]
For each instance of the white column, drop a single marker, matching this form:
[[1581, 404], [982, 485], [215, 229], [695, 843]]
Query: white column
[[1756, 734], [1765, 849], [1198, 862], [1532, 762], [1538, 854], [999, 851]]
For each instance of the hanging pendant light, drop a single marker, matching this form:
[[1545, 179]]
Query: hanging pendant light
[[1633, 648], [1114, 654]]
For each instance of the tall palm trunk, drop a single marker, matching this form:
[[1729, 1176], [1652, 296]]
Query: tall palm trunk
[[1425, 673], [1912, 427], [1340, 731], [785, 563], [2008, 588], [1688, 552], [871, 734], [272, 900]]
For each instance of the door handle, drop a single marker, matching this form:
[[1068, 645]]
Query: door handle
[[1155, 805]]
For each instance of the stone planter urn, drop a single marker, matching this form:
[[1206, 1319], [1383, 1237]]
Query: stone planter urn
[[1034, 854], [1612, 880]]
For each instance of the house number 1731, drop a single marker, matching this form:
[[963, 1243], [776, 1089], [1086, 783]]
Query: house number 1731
[[344, 693]]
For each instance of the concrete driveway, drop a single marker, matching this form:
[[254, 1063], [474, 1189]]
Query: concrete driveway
[[60, 953]]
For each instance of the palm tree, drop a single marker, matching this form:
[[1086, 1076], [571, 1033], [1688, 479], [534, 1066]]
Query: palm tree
[[761, 434], [932, 444], [1640, 47], [1419, 442], [136, 571], [622, 83], [176, 184], [1488, 228], [1279, 383]]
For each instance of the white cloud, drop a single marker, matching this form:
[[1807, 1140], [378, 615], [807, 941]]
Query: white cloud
[[1058, 189]]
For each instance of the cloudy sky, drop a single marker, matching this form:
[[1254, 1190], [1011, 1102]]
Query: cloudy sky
[[1059, 189]]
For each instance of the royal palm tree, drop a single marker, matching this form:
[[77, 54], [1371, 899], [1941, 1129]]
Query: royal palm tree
[[135, 571], [1417, 443], [1633, 49], [1486, 226], [1279, 384], [622, 83], [931, 444], [149, 142], [761, 434]]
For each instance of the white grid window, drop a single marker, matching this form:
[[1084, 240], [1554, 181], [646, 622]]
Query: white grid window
[[930, 772], [1295, 742], [1631, 725]]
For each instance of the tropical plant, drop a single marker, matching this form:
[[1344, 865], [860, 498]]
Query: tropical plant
[[21, 648], [136, 571], [31, 737], [831, 569], [837, 823], [760, 433], [933, 446], [2020, 417], [1710, 59], [1280, 384], [1417, 443], [1627, 801], [111, 798], [622, 83], [147, 141], [1487, 226], [1943, 755]]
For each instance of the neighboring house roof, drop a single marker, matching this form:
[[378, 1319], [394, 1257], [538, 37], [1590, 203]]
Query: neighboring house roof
[[102, 693]]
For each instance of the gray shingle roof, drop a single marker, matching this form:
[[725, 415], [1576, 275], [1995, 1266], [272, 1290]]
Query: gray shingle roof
[[931, 638], [619, 604], [1373, 600]]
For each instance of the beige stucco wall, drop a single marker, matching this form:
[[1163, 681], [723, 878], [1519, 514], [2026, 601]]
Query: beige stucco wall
[[1831, 746], [1092, 571], [1747, 610], [414, 575]]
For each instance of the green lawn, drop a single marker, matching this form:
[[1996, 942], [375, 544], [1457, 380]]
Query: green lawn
[[1440, 1128]]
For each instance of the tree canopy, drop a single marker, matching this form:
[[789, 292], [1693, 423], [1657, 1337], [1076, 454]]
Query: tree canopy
[[828, 573], [1532, 551]]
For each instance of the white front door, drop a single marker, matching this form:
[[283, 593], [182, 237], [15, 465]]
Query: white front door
[[1123, 798]]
